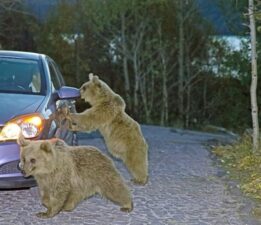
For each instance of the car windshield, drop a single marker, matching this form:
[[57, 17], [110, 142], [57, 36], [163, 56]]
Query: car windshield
[[20, 76]]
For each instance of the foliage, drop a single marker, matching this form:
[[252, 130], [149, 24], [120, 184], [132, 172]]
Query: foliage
[[243, 165], [57, 39], [17, 27]]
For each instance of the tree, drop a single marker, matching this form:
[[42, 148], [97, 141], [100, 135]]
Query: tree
[[61, 38], [130, 38], [253, 95], [158, 54], [181, 60], [165, 56], [16, 26]]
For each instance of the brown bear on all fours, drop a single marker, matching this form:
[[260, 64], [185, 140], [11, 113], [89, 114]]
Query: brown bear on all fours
[[67, 175], [121, 133]]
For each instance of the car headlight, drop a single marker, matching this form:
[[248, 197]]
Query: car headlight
[[30, 126]]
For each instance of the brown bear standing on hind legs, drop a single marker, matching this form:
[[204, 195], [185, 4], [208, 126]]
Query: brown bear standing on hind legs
[[67, 175], [121, 133]]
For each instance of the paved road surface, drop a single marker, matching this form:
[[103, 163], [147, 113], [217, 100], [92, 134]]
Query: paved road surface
[[185, 188]]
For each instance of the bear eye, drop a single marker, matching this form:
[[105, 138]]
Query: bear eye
[[84, 88], [32, 161]]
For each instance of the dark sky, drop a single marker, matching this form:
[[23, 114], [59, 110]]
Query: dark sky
[[224, 23]]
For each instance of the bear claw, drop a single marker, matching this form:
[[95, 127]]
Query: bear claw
[[42, 215], [127, 209], [139, 182]]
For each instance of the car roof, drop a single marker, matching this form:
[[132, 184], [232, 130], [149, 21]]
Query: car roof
[[20, 54]]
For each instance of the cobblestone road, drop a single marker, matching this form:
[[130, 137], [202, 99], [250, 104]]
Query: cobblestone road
[[185, 188]]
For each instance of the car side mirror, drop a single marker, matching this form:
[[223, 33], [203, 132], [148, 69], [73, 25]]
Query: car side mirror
[[66, 92]]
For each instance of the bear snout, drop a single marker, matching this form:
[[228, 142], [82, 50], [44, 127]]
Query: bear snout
[[82, 89], [81, 92], [20, 167]]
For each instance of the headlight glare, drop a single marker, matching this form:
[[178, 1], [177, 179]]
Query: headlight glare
[[30, 126], [29, 130], [10, 131]]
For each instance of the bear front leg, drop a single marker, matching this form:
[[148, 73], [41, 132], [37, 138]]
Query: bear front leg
[[72, 201], [75, 127], [45, 200], [74, 124], [51, 211], [44, 195], [86, 121], [54, 206]]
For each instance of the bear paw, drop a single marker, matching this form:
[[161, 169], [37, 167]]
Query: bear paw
[[43, 215], [139, 182], [69, 207], [127, 209]]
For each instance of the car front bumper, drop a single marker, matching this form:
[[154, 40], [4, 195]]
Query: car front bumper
[[10, 176]]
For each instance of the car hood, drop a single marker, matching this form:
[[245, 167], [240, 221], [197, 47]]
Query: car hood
[[12, 105]]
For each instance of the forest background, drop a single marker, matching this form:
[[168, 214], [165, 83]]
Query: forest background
[[177, 63]]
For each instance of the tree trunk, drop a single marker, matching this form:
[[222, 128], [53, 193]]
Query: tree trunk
[[205, 98], [164, 117], [187, 117], [136, 67], [136, 86], [143, 88], [254, 107], [188, 90], [77, 67], [125, 63], [181, 63], [164, 109]]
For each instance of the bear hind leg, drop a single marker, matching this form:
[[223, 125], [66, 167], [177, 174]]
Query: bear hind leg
[[120, 195], [138, 167]]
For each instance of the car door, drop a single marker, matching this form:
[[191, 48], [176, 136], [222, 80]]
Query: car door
[[57, 82], [70, 103]]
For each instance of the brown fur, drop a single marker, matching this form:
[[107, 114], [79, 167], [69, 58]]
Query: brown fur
[[121, 133], [67, 175]]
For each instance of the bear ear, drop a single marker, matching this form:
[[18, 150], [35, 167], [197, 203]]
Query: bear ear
[[22, 141], [90, 76], [46, 146], [96, 81]]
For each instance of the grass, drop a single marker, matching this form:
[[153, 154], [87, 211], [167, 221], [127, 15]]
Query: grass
[[242, 165]]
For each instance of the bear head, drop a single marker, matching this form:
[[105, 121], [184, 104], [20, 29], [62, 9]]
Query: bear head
[[95, 90], [36, 157]]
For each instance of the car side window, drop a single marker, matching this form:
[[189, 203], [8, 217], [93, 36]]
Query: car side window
[[59, 74], [54, 76]]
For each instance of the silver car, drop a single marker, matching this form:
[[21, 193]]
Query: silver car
[[32, 89]]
